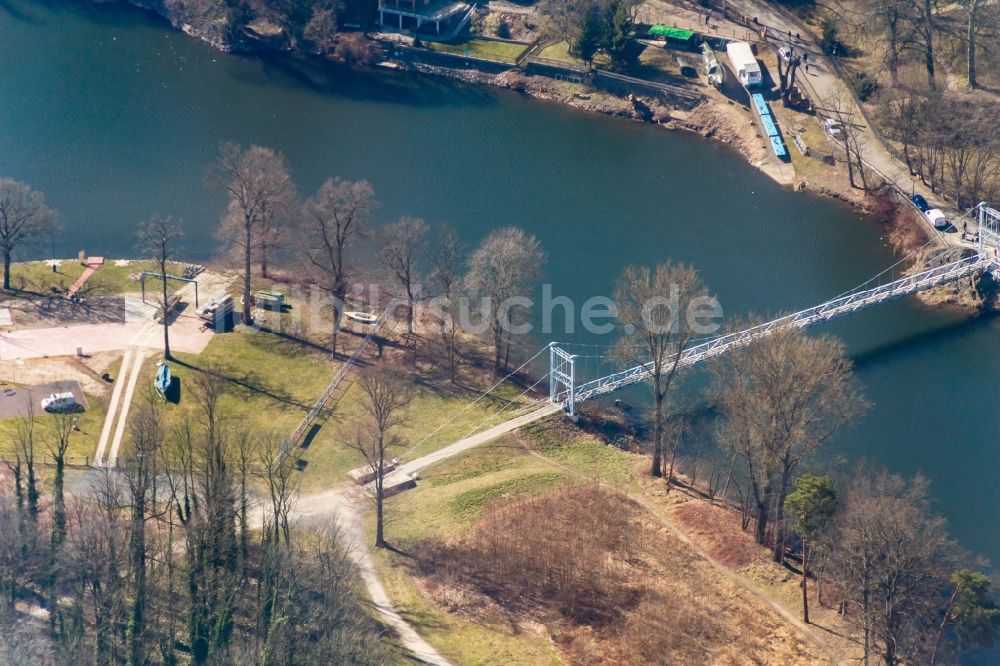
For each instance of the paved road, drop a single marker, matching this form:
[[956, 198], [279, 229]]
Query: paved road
[[475, 440], [148, 337], [823, 83]]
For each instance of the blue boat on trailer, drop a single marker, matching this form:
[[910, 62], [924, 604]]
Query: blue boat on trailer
[[163, 379]]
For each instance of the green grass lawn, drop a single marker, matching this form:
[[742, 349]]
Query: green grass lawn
[[37, 277], [481, 48], [329, 457], [451, 497], [271, 382], [560, 51], [658, 64]]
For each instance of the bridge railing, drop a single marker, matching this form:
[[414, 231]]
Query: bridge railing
[[824, 312]]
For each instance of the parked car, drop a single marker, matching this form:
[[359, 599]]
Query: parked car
[[937, 218], [920, 203], [61, 402], [833, 128]]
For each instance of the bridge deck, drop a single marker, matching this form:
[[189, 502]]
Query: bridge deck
[[823, 312]]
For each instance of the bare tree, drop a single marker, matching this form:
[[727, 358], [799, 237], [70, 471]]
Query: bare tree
[[24, 218], [891, 22], [386, 397], [782, 397], [501, 270], [257, 183], [903, 115], [215, 578], [401, 247], [652, 306], [61, 426], [282, 482], [141, 471], [891, 558], [925, 29], [25, 454], [676, 428], [95, 555], [157, 236], [335, 219], [842, 109], [972, 13], [446, 260]]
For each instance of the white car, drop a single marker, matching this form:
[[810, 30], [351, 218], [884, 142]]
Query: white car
[[833, 128], [937, 218], [60, 402]]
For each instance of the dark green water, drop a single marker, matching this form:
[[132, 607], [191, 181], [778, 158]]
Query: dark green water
[[115, 116]]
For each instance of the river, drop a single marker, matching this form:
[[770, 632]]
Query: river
[[115, 116]]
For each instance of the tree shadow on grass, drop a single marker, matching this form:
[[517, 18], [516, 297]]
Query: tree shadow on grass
[[293, 342], [250, 381]]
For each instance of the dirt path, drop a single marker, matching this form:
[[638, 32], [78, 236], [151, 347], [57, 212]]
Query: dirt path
[[344, 504]]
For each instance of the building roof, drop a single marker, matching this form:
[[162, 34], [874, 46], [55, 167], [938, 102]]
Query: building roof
[[671, 33]]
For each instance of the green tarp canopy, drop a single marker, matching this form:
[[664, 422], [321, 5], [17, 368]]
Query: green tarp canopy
[[671, 33]]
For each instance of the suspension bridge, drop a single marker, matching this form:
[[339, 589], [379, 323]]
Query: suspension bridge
[[565, 392], [564, 389]]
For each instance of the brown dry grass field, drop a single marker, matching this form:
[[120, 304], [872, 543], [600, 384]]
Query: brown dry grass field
[[549, 546]]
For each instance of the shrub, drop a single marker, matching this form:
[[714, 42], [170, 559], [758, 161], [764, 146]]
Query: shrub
[[567, 551], [496, 26], [830, 42], [354, 49], [863, 84]]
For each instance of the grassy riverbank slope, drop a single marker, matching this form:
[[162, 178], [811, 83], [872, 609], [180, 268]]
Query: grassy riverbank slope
[[610, 537]]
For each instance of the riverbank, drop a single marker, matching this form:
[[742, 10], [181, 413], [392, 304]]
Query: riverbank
[[716, 118]]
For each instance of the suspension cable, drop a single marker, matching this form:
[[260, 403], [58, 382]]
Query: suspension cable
[[471, 404]]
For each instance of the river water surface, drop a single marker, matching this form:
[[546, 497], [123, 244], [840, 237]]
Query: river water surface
[[116, 116]]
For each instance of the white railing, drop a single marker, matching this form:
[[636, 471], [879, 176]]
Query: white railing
[[824, 312], [317, 408]]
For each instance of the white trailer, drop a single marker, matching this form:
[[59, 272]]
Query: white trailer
[[744, 63]]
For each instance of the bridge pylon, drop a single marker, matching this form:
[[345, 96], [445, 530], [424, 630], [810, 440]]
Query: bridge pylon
[[562, 378], [989, 230]]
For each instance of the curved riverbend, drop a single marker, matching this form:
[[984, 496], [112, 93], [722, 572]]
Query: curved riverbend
[[115, 116]]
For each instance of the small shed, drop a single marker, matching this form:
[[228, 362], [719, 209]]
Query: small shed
[[677, 38]]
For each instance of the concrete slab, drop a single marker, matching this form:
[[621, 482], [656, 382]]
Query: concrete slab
[[5, 318], [63, 341], [364, 475], [136, 310], [396, 483]]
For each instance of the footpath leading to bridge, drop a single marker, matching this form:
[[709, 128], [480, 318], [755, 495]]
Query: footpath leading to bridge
[[345, 504]]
